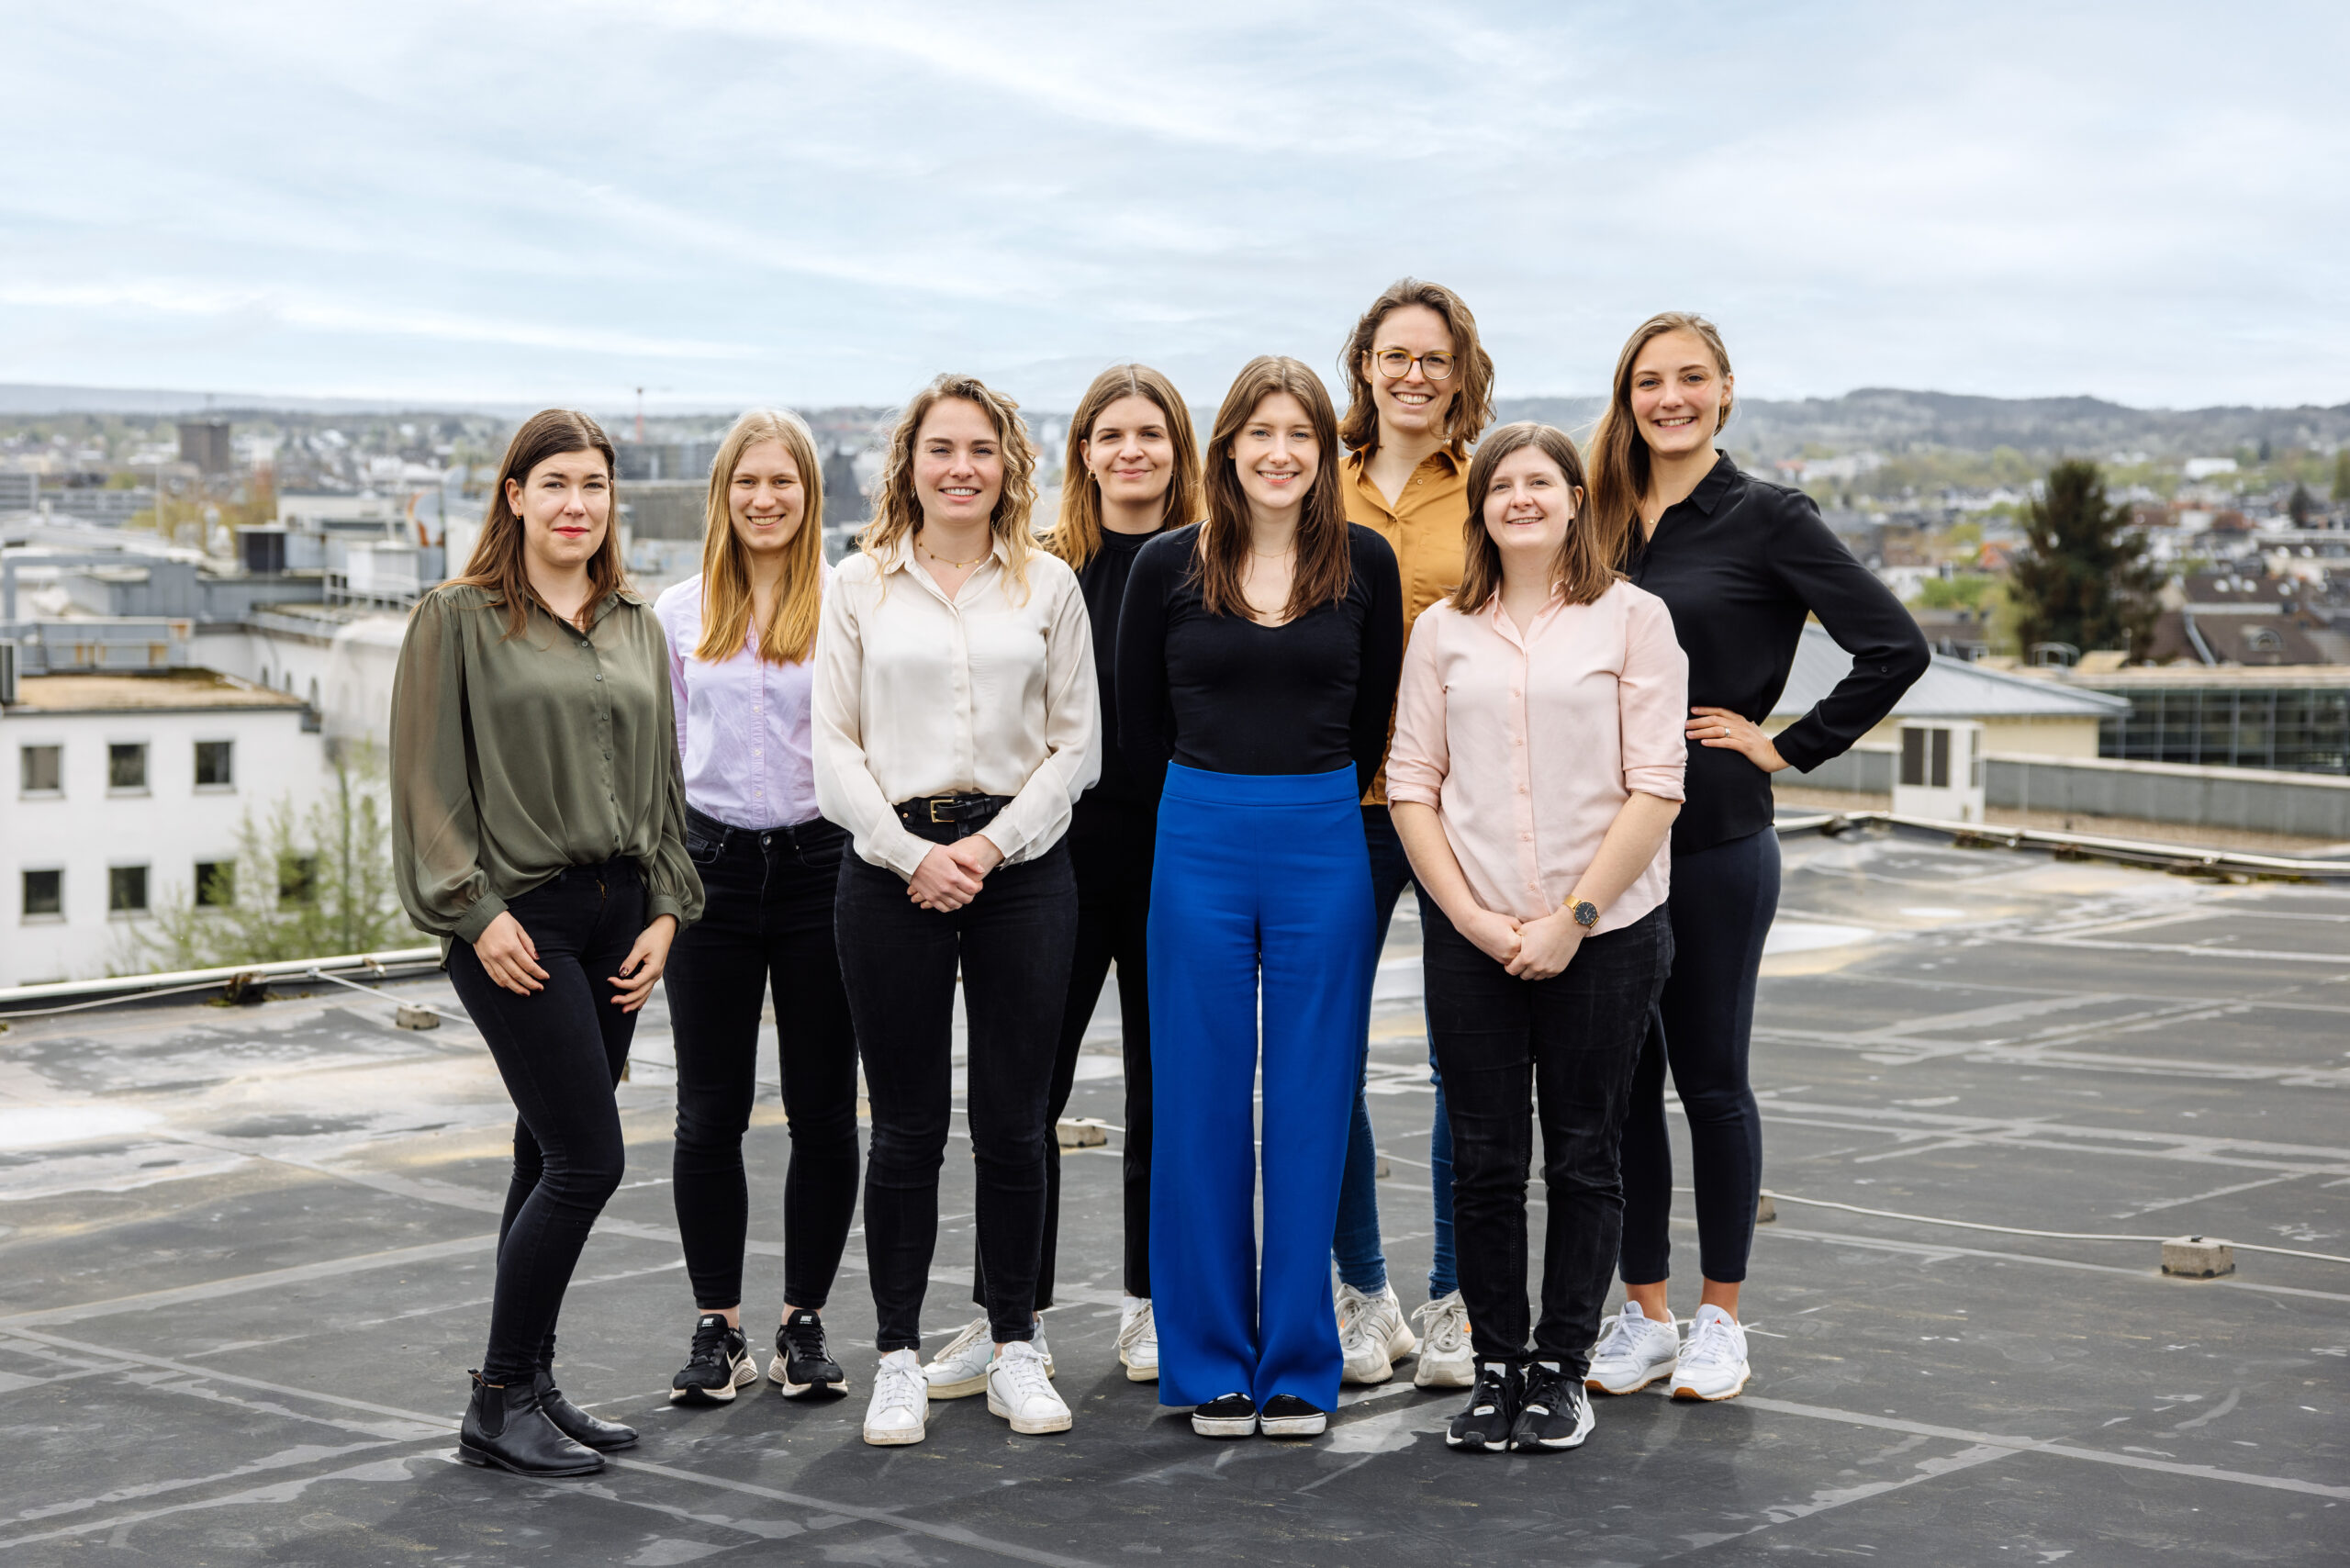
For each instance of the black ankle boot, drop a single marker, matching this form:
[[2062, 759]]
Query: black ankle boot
[[504, 1427], [576, 1424]]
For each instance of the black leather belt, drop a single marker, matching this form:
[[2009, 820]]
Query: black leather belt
[[942, 819]]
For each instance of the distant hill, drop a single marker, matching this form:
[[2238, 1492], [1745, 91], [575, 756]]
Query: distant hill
[[1890, 420]]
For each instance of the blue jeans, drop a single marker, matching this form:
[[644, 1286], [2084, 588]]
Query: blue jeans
[[1361, 1261], [1258, 891]]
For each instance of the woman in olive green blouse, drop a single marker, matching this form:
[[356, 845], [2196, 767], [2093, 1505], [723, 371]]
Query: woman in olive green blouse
[[538, 822]]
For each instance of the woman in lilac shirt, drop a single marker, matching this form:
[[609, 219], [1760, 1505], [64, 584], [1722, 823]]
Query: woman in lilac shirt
[[740, 637]]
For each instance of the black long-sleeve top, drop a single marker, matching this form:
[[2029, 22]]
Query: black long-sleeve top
[[1102, 579], [1739, 563], [1229, 695]]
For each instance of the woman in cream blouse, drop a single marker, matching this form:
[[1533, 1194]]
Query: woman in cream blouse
[[955, 724]]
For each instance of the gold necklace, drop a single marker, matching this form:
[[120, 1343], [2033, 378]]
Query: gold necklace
[[954, 565]]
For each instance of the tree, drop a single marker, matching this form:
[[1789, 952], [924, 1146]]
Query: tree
[[315, 886], [2341, 474], [2085, 578], [2301, 505]]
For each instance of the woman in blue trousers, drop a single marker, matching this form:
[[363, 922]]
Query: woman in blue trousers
[[1258, 657]]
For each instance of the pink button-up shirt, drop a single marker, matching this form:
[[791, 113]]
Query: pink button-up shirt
[[1527, 745], [742, 723]]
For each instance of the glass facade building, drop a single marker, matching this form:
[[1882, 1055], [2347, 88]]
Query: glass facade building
[[2243, 722]]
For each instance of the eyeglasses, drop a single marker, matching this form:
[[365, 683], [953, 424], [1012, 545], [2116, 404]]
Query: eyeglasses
[[1395, 363]]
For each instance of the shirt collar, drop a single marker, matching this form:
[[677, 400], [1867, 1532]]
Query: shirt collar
[[1714, 484], [901, 554]]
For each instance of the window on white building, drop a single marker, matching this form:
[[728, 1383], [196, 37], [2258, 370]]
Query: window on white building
[[40, 769], [216, 884], [214, 765], [127, 889], [44, 895], [127, 766]]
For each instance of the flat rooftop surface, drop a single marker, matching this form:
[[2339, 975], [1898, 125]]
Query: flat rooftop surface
[[245, 1255]]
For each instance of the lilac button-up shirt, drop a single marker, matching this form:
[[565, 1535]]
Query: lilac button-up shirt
[[742, 722]]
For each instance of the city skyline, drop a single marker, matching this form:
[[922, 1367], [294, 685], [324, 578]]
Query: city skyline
[[790, 203]]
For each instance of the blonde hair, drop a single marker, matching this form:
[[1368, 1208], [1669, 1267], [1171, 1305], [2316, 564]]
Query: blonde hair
[[1077, 534], [897, 509], [790, 635], [1620, 455]]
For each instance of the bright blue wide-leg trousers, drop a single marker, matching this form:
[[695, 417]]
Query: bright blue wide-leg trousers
[[1260, 879]]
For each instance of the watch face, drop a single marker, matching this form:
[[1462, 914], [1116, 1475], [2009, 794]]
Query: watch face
[[1586, 914]]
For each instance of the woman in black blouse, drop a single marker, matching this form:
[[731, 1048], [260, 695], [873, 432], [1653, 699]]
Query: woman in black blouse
[[1739, 563], [1258, 655]]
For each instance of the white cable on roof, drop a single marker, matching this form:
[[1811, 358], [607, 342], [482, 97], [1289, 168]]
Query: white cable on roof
[[2019, 1230]]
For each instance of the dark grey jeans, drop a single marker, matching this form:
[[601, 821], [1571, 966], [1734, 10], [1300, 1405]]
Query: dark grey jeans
[[1569, 1045]]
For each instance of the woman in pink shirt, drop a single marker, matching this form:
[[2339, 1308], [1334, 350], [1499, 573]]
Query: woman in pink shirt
[[740, 639], [1534, 777]]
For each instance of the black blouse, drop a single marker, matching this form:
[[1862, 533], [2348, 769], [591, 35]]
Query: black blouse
[[1102, 579], [1229, 695], [1739, 563]]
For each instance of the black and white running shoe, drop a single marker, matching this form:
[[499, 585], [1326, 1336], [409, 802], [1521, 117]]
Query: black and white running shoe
[[1484, 1424], [719, 1364], [1554, 1411], [803, 1368]]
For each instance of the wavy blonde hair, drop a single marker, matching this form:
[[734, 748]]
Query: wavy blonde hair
[[897, 509], [726, 609], [1077, 534]]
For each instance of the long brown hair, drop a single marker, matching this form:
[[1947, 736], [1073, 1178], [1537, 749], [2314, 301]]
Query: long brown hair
[[1471, 409], [790, 637], [1078, 533], [1583, 568], [897, 509], [1620, 455], [1323, 570], [496, 563]]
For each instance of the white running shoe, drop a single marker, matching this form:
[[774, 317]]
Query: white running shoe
[[1138, 1341], [1021, 1390], [1445, 1360], [1713, 1364], [1372, 1334], [900, 1410], [1634, 1350], [961, 1369]]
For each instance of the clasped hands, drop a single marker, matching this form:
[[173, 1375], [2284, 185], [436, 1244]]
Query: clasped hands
[[1529, 949], [951, 875]]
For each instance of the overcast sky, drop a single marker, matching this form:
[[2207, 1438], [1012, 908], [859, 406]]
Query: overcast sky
[[735, 200]]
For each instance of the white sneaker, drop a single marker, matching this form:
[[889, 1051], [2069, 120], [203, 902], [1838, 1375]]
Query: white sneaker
[[1445, 1360], [1371, 1335], [961, 1369], [1021, 1390], [900, 1410], [1713, 1364], [1634, 1350], [1138, 1341]]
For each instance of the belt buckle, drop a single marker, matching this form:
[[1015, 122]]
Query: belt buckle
[[937, 821]]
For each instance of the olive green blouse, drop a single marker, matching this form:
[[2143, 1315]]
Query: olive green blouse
[[513, 759]]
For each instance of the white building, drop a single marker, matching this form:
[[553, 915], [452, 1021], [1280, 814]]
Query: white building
[[122, 792]]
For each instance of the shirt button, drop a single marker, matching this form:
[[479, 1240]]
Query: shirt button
[[600, 675]]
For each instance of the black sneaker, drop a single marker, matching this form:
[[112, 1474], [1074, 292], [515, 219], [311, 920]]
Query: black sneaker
[[1485, 1422], [719, 1363], [1554, 1412], [1232, 1416], [1287, 1416], [802, 1366]]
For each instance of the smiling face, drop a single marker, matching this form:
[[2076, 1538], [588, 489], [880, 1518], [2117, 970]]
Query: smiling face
[[1413, 404], [1130, 452], [1276, 456], [766, 501], [1529, 505], [1678, 393], [958, 464], [566, 504]]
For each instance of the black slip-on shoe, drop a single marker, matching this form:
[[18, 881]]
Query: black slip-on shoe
[[1287, 1416], [1229, 1416]]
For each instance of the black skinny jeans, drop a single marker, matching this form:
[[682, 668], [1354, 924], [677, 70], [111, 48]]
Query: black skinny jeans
[[1013, 944], [766, 925], [1567, 1043], [1723, 899], [1110, 848], [560, 1050]]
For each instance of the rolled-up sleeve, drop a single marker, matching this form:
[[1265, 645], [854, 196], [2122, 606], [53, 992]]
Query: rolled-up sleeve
[[1419, 757], [846, 792], [436, 824], [1652, 702], [1041, 811]]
